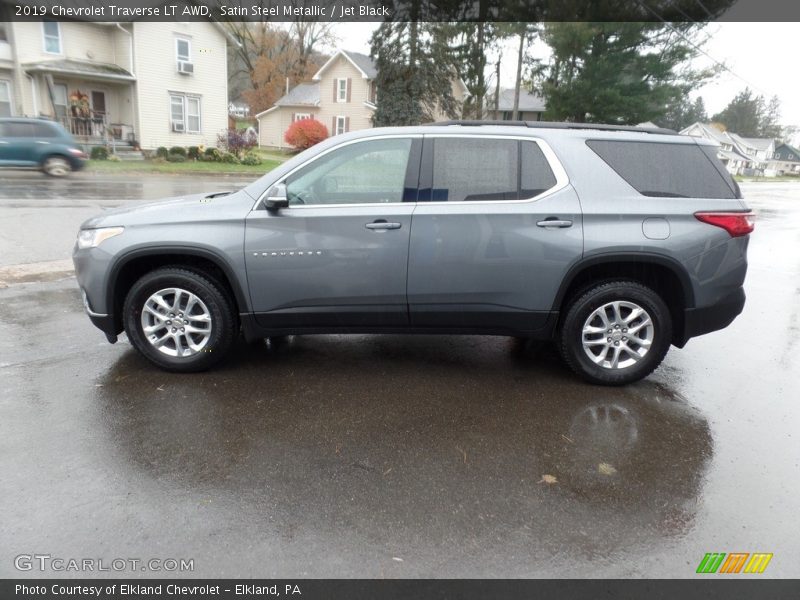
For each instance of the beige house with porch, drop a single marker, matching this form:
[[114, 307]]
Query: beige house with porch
[[156, 84], [341, 95]]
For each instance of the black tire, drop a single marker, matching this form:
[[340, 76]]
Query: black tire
[[570, 334], [224, 325]]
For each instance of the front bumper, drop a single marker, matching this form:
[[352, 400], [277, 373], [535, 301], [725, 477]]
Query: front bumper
[[699, 321]]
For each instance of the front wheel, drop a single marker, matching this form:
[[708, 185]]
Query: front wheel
[[615, 333], [56, 166], [179, 319]]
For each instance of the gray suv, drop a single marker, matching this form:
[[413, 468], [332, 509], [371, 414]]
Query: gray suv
[[615, 242]]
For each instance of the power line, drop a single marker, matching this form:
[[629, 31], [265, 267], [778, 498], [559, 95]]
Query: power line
[[722, 65]]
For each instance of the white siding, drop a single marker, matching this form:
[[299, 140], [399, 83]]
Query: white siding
[[80, 41], [360, 116], [157, 76]]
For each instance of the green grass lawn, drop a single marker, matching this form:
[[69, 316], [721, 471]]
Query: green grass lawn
[[270, 160]]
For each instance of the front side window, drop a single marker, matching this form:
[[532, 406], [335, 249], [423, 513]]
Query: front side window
[[341, 90], [5, 99], [52, 37], [372, 171], [183, 50], [341, 125]]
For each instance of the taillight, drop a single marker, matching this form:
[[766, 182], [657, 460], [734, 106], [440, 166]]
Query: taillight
[[736, 224]]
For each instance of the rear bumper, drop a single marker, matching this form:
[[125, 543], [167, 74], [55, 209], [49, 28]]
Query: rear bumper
[[699, 321]]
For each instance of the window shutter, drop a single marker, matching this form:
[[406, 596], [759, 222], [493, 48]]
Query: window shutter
[[349, 81], [335, 84], [333, 125], [347, 124]]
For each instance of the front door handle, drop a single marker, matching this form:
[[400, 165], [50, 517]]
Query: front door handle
[[554, 222], [382, 225]]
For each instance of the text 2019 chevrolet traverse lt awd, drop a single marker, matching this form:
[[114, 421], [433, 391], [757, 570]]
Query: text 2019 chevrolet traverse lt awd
[[615, 242]]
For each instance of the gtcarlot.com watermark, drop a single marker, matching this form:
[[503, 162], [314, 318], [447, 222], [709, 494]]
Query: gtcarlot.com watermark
[[56, 564]]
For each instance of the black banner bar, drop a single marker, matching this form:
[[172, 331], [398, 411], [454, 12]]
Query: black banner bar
[[705, 587], [401, 10]]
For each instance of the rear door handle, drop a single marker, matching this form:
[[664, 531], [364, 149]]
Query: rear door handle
[[553, 222], [382, 225]]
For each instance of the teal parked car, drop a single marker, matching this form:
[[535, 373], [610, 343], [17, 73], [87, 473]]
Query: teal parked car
[[40, 144]]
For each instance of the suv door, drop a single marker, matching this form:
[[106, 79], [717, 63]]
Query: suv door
[[496, 228], [338, 255]]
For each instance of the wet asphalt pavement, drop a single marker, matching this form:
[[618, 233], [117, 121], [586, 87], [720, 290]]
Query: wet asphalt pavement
[[393, 456]]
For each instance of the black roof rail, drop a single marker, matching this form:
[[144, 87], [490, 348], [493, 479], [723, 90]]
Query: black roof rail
[[559, 125]]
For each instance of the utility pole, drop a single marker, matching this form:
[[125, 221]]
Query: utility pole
[[497, 88], [518, 84]]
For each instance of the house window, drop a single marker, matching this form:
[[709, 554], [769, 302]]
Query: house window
[[193, 115], [3, 33], [5, 98], [341, 125], [52, 37], [183, 50], [341, 90], [301, 116], [184, 113], [60, 103]]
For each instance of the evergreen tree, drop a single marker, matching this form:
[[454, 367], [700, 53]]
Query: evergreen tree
[[750, 116], [415, 72], [624, 73], [682, 114]]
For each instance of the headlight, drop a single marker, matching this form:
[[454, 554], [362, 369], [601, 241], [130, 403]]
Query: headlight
[[91, 238]]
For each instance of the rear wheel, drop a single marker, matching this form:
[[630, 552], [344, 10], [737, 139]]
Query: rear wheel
[[179, 319], [56, 166], [615, 333]]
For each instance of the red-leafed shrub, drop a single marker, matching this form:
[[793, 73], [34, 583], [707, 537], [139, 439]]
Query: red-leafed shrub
[[305, 133]]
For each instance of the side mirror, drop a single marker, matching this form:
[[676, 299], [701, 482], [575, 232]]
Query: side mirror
[[276, 197]]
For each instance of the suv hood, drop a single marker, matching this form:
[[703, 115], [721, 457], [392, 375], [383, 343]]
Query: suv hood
[[181, 209]]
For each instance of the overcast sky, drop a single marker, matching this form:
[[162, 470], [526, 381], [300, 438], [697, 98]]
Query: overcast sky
[[761, 55]]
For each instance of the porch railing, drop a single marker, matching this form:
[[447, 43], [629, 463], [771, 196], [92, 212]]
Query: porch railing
[[95, 126]]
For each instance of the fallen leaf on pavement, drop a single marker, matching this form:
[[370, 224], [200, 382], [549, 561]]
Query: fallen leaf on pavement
[[549, 479], [606, 469]]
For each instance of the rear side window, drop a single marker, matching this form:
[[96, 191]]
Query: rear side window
[[45, 130], [665, 170], [470, 169]]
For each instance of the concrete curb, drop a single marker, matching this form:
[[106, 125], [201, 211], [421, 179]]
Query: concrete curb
[[35, 272]]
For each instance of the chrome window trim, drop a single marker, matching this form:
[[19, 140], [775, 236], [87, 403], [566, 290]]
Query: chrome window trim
[[562, 179]]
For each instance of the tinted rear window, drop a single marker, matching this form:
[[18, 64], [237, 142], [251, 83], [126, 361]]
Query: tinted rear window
[[468, 169], [666, 170]]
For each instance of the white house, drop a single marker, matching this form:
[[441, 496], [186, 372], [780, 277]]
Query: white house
[[531, 106], [160, 84], [741, 156], [341, 95]]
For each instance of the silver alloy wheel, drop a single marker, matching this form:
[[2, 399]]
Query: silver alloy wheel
[[176, 322], [618, 334], [57, 167]]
